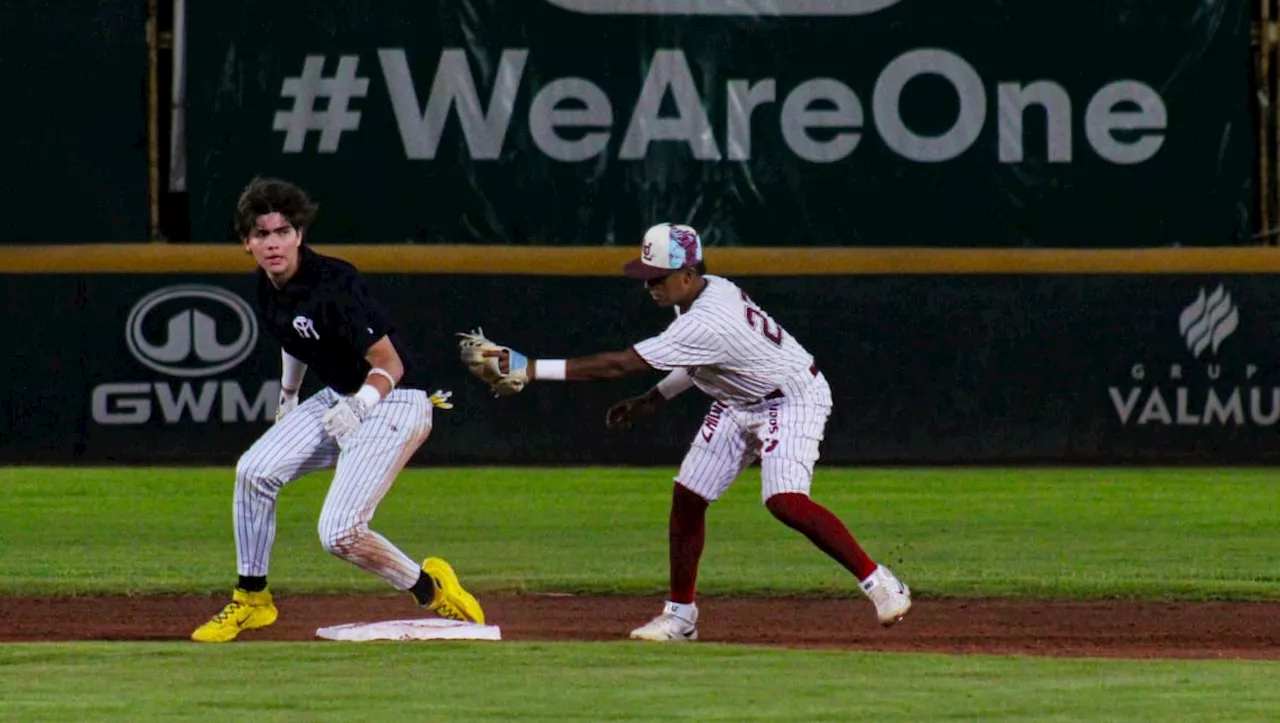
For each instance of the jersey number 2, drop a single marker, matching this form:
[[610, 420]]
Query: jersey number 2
[[757, 320]]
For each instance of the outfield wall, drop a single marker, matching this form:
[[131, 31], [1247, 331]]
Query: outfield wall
[[1151, 357]]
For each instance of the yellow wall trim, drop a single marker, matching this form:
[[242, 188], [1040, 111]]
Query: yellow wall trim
[[607, 260]]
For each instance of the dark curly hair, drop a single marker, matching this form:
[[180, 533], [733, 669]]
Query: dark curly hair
[[273, 195]]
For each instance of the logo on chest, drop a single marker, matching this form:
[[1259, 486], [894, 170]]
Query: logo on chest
[[305, 327]]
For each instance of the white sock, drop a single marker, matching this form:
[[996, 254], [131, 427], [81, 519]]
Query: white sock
[[684, 611], [873, 580]]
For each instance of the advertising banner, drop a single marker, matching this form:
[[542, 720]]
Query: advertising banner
[[1164, 369], [772, 123]]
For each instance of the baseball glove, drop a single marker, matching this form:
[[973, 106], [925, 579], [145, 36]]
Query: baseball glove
[[502, 368]]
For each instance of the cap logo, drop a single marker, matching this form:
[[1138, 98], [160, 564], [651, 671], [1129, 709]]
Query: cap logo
[[647, 252], [687, 240]]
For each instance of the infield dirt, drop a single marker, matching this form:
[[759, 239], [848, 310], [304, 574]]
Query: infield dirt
[[1112, 628]]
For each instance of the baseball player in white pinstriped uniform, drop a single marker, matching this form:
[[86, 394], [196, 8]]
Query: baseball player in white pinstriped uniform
[[771, 404], [367, 421]]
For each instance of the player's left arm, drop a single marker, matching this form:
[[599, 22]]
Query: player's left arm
[[624, 413], [382, 355], [366, 325], [597, 367], [386, 369]]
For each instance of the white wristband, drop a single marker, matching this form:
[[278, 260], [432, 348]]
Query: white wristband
[[552, 370], [382, 373], [368, 394], [675, 383]]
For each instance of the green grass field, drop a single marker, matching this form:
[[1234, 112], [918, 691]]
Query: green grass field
[[1154, 534]]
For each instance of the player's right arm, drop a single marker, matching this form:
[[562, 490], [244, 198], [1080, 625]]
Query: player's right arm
[[686, 343], [292, 370], [606, 365]]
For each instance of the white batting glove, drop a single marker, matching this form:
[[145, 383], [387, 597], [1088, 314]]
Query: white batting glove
[[344, 417], [288, 402]]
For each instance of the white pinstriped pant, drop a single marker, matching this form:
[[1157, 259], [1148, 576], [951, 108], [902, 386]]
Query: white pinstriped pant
[[367, 465], [784, 434]]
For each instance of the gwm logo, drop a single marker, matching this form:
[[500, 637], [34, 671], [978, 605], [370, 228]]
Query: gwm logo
[[189, 345], [192, 332], [1208, 321], [725, 7], [1204, 392]]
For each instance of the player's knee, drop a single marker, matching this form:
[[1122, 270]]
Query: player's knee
[[340, 539], [253, 475], [780, 476], [682, 495], [786, 506]]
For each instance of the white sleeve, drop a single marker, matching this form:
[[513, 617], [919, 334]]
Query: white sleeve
[[686, 343], [292, 370], [675, 383]]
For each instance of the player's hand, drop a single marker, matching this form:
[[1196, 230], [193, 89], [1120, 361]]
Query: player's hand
[[623, 414], [343, 418], [503, 357], [502, 368], [288, 402]]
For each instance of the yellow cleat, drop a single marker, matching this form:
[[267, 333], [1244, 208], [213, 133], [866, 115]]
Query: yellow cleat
[[451, 600], [246, 611]]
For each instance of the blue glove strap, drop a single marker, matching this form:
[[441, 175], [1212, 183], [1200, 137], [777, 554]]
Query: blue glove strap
[[518, 362]]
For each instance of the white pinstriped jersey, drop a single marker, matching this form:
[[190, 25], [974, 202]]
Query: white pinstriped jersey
[[733, 350]]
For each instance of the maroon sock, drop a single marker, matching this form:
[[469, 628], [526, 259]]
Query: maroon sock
[[823, 529], [686, 533]]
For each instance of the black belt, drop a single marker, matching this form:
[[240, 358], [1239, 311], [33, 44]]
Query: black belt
[[777, 393]]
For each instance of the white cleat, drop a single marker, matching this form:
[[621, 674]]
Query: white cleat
[[891, 596], [678, 623]]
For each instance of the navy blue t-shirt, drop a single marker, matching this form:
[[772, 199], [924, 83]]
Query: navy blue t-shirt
[[326, 317]]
